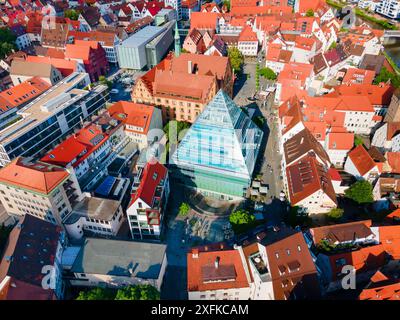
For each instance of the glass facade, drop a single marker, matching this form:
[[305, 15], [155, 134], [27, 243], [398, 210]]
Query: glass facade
[[219, 151]]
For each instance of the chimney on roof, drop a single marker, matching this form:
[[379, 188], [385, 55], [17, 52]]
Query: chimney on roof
[[195, 253], [216, 263], [190, 66]]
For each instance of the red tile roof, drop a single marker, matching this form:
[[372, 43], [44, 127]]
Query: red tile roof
[[230, 266], [307, 176], [334, 174], [248, 34], [38, 176], [361, 159], [304, 43], [152, 175], [363, 260], [341, 140], [381, 288], [80, 49], [361, 76], [298, 72], [342, 232], [203, 20], [134, 114], [377, 95], [393, 159], [77, 147], [292, 268], [66, 67], [22, 93]]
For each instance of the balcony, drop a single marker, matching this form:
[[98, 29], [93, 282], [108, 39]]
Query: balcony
[[153, 217], [260, 266]]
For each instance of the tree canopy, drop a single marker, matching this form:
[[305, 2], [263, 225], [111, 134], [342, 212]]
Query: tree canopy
[[257, 76], [103, 80], [7, 42], [241, 217], [184, 209], [136, 292], [360, 192], [71, 14], [236, 59], [241, 221], [139, 292], [296, 217], [385, 75], [180, 126], [358, 140], [268, 73], [259, 121], [227, 3], [335, 214], [97, 294], [310, 13]]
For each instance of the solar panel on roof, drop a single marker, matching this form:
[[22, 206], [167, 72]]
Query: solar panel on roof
[[96, 139], [105, 187]]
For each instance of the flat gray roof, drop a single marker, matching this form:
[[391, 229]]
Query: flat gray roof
[[142, 36], [120, 258], [97, 208]]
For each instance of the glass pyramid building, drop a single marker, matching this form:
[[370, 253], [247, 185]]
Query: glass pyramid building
[[218, 153]]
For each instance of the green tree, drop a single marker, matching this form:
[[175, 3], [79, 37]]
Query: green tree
[[335, 214], [71, 14], [358, 140], [259, 121], [236, 59], [297, 217], [241, 221], [333, 45], [103, 80], [257, 77], [97, 294], [7, 42], [138, 292], [241, 217], [268, 73], [184, 209], [385, 75], [310, 13], [360, 192], [180, 126], [227, 3]]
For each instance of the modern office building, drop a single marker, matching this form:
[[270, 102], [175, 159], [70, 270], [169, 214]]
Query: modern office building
[[389, 8], [146, 47], [51, 117], [217, 155]]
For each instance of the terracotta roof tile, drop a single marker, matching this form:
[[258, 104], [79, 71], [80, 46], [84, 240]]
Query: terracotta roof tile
[[361, 159], [38, 176], [197, 277]]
